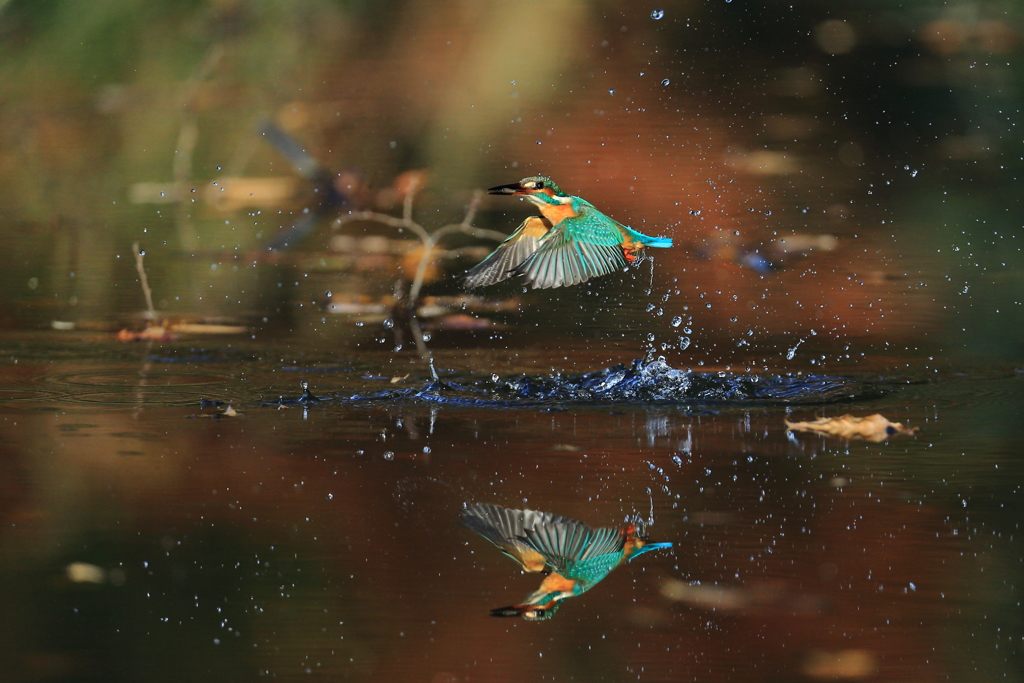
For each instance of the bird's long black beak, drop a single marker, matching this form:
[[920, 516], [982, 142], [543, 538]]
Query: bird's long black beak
[[511, 611], [514, 188]]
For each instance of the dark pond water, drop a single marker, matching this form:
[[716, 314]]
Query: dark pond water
[[146, 539], [269, 485]]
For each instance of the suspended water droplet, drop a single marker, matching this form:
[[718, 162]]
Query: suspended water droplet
[[359, 323], [665, 81], [650, 336], [388, 324], [389, 455], [426, 336], [611, 91], [650, 307], [684, 343], [677, 460], [328, 294], [658, 14], [677, 321]]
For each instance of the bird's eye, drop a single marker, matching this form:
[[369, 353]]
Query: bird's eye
[[539, 186]]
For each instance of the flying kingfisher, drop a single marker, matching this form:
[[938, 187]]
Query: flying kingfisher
[[569, 243], [573, 556]]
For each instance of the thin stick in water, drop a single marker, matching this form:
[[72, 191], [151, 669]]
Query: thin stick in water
[[144, 281]]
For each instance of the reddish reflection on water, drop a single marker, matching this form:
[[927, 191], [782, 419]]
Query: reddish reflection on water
[[142, 542]]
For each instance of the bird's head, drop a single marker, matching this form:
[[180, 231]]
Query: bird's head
[[538, 189], [636, 544]]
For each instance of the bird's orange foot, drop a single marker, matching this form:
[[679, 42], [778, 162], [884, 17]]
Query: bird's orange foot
[[630, 256]]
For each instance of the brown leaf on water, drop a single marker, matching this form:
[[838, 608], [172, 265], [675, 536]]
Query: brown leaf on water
[[461, 321], [229, 411], [841, 664], [208, 328], [83, 572], [871, 428], [151, 333]]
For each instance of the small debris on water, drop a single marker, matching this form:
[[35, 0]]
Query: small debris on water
[[871, 428]]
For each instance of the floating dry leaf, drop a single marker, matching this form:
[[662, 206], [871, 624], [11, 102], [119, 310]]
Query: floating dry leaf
[[151, 333], [461, 321], [396, 380], [83, 572], [842, 664], [208, 328], [705, 596], [229, 411], [871, 428]]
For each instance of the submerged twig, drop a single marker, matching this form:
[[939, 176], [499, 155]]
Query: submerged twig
[[144, 281], [429, 240]]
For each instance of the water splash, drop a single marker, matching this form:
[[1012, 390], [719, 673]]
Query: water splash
[[646, 380]]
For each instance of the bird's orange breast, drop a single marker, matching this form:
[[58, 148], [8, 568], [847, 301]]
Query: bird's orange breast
[[556, 213], [556, 582]]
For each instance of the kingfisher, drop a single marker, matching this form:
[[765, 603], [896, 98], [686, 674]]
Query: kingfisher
[[573, 556], [569, 243]]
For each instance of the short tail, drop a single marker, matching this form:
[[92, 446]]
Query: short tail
[[662, 242]]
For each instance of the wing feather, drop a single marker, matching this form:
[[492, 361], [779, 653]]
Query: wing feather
[[567, 547], [501, 263], [506, 529], [560, 261]]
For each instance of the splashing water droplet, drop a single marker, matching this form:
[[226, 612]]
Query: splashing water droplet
[[677, 321], [665, 81], [684, 343], [611, 91], [658, 14], [389, 455], [677, 460], [328, 294], [650, 336], [388, 324]]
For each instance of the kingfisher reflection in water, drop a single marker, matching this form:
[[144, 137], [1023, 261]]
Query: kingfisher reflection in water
[[574, 556]]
